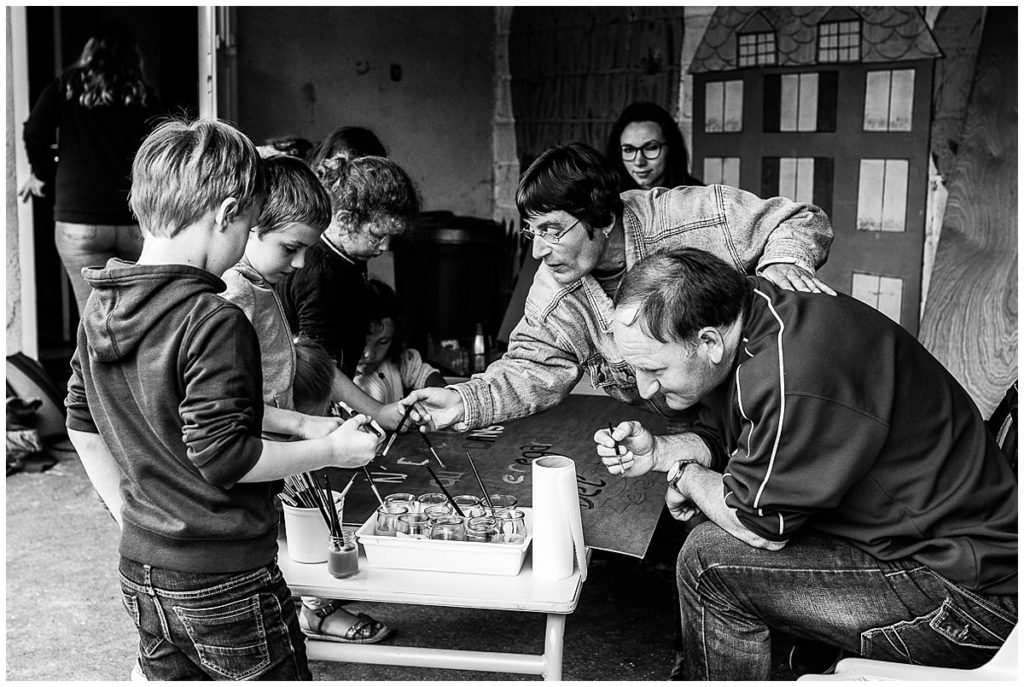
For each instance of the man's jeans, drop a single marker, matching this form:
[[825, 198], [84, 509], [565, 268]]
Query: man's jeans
[[91, 245], [825, 590], [201, 626]]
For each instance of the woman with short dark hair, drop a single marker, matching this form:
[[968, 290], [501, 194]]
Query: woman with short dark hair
[[588, 236]]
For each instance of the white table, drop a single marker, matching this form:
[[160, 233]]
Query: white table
[[555, 598]]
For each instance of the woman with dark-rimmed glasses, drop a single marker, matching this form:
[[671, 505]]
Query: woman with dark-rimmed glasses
[[647, 149]]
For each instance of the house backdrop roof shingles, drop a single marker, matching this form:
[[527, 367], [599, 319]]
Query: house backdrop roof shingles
[[889, 34]]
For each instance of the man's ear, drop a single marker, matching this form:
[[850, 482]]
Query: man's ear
[[225, 213], [713, 342]]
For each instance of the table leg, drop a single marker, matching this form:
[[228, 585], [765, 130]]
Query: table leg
[[554, 634]]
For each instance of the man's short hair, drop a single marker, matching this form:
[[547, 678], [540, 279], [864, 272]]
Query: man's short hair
[[369, 189], [573, 178], [294, 195], [185, 169], [680, 291]]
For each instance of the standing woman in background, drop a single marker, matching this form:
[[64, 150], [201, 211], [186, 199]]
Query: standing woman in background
[[648, 150], [101, 107]]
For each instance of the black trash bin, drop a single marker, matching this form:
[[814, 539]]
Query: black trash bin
[[448, 271]]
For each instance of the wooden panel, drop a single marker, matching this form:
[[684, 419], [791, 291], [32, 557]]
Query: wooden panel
[[575, 68], [970, 321]]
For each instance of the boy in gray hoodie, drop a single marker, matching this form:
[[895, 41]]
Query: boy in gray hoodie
[[165, 409]]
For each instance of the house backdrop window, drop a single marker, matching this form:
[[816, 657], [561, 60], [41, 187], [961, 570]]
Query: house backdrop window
[[800, 102], [882, 195], [803, 179], [889, 100], [839, 41], [884, 294], [723, 106], [756, 48], [722, 170]]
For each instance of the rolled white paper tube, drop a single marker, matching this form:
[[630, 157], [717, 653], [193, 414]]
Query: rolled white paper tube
[[555, 500]]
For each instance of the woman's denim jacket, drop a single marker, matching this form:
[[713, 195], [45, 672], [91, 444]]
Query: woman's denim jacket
[[567, 329]]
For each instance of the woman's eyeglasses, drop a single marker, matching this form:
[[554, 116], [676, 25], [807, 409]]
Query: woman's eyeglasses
[[549, 236], [651, 150]]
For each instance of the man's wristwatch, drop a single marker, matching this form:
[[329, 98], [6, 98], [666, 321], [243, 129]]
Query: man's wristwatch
[[676, 471]]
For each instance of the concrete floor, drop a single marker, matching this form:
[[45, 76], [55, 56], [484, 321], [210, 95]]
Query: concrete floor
[[65, 620]]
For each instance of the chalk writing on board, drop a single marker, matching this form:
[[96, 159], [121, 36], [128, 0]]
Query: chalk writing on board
[[448, 477], [588, 490], [532, 451], [629, 492], [485, 437], [514, 478]]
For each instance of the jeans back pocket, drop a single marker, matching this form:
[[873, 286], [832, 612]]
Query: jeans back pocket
[[230, 639], [950, 636]]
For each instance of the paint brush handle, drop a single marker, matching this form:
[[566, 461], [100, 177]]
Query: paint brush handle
[[611, 430], [480, 482], [335, 525], [372, 485], [430, 446], [445, 492], [349, 485], [394, 434]]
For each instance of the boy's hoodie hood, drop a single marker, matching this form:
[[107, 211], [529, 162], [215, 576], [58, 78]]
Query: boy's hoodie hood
[[127, 300]]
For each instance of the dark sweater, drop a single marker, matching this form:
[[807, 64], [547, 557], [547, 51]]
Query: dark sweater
[[97, 146], [168, 374], [838, 420], [327, 301]]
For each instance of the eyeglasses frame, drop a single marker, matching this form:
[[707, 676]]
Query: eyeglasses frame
[[527, 232], [661, 148]]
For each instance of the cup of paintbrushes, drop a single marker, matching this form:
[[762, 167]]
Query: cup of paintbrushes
[[308, 512], [305, 532]]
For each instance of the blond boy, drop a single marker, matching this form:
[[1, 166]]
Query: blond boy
[[165, 403]]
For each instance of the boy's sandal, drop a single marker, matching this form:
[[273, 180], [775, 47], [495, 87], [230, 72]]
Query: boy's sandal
[[365, 630]]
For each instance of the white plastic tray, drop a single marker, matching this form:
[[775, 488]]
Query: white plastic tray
[[483, 558]]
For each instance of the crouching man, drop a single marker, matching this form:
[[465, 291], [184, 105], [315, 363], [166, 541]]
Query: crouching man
[[852, 492]]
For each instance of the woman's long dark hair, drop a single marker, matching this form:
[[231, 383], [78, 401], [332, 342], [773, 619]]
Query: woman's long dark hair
[[109, 71], [676, 171]]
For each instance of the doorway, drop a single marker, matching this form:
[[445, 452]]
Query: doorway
[[169, 37]]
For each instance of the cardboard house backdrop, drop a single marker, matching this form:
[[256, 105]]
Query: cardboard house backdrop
[[829, 105]]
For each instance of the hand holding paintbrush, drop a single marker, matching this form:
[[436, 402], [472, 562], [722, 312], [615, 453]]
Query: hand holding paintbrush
[[626, 447], [611, 435], [394, 435], [426, 439]]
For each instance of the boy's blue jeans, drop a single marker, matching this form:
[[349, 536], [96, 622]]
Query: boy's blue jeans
[[822, 589], [201, 626]]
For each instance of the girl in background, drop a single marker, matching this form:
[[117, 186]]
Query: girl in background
[[387, 371]]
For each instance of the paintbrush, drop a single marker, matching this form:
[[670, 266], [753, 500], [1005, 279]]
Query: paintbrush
[[349, 485], [479, 481], [622, 470], [394, 435], [372, 485], [426, 440], [334, 525], [445, 492]]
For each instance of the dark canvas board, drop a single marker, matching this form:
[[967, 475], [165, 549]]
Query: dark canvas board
[[619, 514]]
